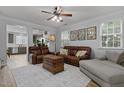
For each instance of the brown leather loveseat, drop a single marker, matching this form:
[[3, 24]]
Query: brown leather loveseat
[[72, 59], [38, 54]]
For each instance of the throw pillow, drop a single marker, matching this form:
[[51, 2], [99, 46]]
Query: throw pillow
[[78, 53], [81, 53], [120, 60], [113, 55], [63, 52]]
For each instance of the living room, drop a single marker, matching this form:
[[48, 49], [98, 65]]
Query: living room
[[87, 33]]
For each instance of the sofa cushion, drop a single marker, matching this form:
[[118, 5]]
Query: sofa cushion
[[45, 51], [113, 56], [72, 58], [107, 71], [72, 52], [37, 52], [100, 54], [81, 53], [39, 56]]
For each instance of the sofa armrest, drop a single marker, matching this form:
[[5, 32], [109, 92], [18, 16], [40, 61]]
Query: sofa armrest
[[84, 57], [52, 53], [34, 59], [58, 53]]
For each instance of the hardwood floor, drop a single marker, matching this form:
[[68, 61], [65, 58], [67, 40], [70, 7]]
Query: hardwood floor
[[6, 77], [92, 84], [16, 61]]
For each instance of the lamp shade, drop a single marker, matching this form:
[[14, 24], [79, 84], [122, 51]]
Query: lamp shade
[[52, 37]]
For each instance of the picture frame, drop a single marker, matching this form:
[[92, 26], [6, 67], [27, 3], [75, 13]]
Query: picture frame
[[91, 33], [74, 35], [81, 34]]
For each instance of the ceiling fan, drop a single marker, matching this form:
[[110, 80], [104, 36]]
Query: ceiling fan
[[57, 13]]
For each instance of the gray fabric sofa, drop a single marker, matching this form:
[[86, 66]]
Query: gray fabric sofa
[[105, 69]]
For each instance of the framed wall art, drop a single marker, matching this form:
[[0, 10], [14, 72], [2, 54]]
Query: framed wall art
[[81, 34], [74, 35], [91, 33]]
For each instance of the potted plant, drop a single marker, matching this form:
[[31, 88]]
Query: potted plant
[[34, 41], [38, 42], [43, 44]]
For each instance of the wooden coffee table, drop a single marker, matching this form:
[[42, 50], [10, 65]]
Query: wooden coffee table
[[53, 63]]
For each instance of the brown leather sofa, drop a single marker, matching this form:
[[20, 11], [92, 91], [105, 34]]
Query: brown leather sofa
[[32, 49], [72, 50], [38, 54]]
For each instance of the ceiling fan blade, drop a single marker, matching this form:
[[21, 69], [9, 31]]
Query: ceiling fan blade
[[63, 14], [50, 18], [47, 12]]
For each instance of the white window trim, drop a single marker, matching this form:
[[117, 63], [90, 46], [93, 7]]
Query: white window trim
[[63, 40], [100, 41]]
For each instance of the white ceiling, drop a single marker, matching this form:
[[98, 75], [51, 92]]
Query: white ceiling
[[33, 13], [16, 28]]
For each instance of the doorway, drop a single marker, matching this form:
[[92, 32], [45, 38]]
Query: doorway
[[17, 46]]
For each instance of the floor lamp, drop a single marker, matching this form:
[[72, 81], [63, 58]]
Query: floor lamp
[[52, 38]]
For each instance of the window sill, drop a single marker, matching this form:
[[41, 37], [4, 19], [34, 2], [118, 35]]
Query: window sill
[[107, 48]]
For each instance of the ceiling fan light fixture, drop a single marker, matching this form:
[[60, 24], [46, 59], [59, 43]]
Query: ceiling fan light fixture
[[60, 18], [55, 17], [57, 13]]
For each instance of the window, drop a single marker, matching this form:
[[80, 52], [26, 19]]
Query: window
[[64, 38], [21, 39], [111, 34], [10, 38]]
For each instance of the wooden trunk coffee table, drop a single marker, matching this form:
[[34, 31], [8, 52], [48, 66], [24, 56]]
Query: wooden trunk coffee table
[[53, 63]]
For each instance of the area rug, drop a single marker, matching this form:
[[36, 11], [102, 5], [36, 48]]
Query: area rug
[[36, 76]]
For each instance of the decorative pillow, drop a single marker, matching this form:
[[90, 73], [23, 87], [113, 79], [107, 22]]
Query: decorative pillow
[[63, 51], [100, 54], [81, 53], [113, 55], [78, 53], [120, 60]]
